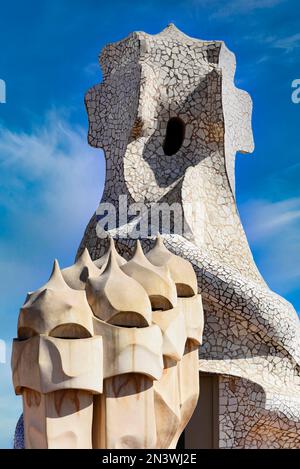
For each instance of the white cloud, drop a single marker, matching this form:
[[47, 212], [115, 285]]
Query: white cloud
[[267, 219], [51, 179], [236, 7], [288, 43], [273, 230], [285, 44], [93, 68]]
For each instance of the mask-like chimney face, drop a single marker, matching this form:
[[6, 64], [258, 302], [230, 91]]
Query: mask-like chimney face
[[166, 103]]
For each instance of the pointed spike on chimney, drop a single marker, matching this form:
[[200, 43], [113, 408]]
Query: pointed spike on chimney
[[138, 249], [56, 276], [85, 255], [159, 240], [112, 262]]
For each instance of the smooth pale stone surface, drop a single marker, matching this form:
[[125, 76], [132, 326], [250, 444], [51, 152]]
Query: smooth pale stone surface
[[184, 322], [117, 298], [34, 416], [173, 327], [47, 364], [188, 386], [60, 419], [130, 349], [76, 275], [167, 404], [192, 310], [181, 270], [156, 280], [55, 305], [122, 387], [127, 408]]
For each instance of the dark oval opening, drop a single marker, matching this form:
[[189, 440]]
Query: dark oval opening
[[174, 136]]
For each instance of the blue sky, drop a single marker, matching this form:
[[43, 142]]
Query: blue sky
[[51, 181]]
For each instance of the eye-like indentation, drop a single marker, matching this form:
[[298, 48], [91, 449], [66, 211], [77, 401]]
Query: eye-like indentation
[[26, 333], [70, 331], [174, 136]]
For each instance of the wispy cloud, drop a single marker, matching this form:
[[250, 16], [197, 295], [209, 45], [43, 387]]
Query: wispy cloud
[[288, 43], [273, 230], [237, 7], [93, 68], [50, 178], [267, 219]]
